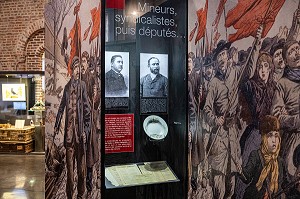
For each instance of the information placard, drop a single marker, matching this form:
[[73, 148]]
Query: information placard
[[119, 133]]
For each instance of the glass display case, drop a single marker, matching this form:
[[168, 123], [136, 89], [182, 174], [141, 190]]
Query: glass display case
[[144, 103], [20, 93], [13, 139]]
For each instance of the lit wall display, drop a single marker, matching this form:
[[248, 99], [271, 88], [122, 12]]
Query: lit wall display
[[13, 92]]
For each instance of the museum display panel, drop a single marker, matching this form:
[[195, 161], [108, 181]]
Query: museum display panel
[[144, 103]]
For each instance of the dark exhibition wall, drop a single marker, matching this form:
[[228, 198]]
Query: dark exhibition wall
[[151, 42]]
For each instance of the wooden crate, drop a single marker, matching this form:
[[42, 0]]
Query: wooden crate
[[19, 147]]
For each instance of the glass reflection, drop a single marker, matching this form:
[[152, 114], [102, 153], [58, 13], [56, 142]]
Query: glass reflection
[[20, 181], [16, 193]]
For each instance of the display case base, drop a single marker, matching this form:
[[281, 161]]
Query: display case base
[[16, 147]]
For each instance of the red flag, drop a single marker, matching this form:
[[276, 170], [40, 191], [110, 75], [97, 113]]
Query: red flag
[[96, 18], [192, 33], [87, 31], [219, 12], [202, 18], [75, 36], [247, 16], [115, 4]]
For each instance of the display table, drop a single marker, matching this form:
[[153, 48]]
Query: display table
[[17, 140]]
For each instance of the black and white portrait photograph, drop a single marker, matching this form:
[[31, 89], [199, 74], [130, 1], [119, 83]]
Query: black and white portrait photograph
[[154, 75], [116, 74]]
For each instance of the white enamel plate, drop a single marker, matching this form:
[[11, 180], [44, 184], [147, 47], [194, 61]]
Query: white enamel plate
[[155, 127]]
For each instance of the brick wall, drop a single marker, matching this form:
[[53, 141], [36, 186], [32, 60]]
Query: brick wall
[[39, 93], [34, 50], [21, 34]]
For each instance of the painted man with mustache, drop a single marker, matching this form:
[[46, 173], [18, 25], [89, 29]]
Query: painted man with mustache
[[286, 103], [74, 104], [115, 85], [154, 84], [208, 70], [221, 113], [276, 53]]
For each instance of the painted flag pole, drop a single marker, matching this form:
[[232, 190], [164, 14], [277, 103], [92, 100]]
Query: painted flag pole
[[87, 31], [211, 41], [219, 12], [226, 29]]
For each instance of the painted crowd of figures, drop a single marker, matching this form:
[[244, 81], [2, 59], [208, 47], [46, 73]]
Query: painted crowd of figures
[[81, 104], [244, 125], [73, 159]]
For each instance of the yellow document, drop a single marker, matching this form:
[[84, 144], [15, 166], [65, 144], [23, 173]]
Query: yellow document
[[139, 174]]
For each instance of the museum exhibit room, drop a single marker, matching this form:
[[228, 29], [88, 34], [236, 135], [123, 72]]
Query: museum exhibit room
[[150, 99]]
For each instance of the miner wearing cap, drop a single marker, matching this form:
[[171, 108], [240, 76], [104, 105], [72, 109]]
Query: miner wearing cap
[[285, 104], [279, 64], [76, 129], [221, 112], [208, 70], [265, 171], [199, 132], [195, 133], [194, 79], [91, 79]]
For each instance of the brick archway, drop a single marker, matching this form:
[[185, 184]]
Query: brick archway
[[33, 50], [40, 50], [23, 37]]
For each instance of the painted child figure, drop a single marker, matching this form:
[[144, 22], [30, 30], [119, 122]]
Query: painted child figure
[[264, 171]]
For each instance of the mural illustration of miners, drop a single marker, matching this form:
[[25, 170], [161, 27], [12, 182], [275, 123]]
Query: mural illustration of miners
[[244, 95], [73, 127]]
